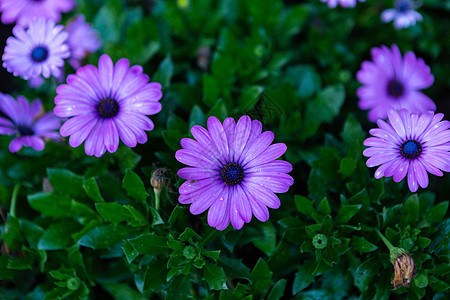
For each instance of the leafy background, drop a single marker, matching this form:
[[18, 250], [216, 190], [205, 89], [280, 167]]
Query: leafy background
[[87, 228]]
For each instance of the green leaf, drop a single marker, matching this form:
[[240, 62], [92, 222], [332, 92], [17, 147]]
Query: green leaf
[[11, 235], [165, 72], [410, 211], [149, 244], [347, 167], [362, 245], [134, 186], [277, 291], [51, 205], [304, 276], [324, 207], [122, 291], [58, 236], [261, 278], [172, 138], [105, 236], [219, 110], [20, 263], [65, 182], [211, 90], [197, 117], [215, 277], [189, 234], [130, 253], [268, 241], [91, 188], [106, 22], [423, 242], [116, 213], [421, 281], [235, 268], [437, 213], [305, 206], [346, 212], [249, 98]]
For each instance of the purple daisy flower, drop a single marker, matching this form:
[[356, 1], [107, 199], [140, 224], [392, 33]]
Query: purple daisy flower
[[412, 144], [23, 11], [107, 103], [233, 171], [343, 3], [26, 124], [83, 40], [403, 14], [38, 50], [391, 80]]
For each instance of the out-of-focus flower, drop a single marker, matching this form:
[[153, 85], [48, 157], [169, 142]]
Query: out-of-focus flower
[[343, 3], [203, 57], [319, 241], [24, 123], [404, 267], [107, 103], [83, 40], [391, 80], [233, 171], [23, 11], [38, 50], [403, 14], [410, 144]]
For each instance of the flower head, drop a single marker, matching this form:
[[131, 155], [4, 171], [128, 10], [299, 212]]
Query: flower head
[[83, 39], [404, 267], [233, 171], [343, 3], [319, 241], [38, 50], [23, 11], [107, 103], [391, 80], [24, 123], [403, 14], [410, 144]]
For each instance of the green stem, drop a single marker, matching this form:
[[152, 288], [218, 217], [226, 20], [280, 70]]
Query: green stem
[[15, 193], [385, 240], [157, 198]]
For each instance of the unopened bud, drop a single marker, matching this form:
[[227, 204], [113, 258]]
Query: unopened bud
[[404, 267], [160, 178], [319, 241]]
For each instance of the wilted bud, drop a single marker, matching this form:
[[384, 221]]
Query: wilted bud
[[319, 241], [203, 57], [160, 179], [404, 267]]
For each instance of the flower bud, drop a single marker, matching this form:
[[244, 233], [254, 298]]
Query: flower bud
[[404, 267], [319, 241], [160, 178]]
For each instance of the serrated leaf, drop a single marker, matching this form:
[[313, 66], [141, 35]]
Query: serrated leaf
[[362, 245], [215, 277], [324, 207], [149, 244]]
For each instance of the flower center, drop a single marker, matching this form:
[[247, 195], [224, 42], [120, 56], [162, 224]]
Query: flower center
[[232, 174], [39, 54], [108, 108], [395, 88], [403, 6], [25, 130], [410, 149]]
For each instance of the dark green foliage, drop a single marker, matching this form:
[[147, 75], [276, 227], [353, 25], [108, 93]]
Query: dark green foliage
[[87, 228]]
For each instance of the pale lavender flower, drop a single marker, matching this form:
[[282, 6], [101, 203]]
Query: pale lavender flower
[[24, 122], [343, 3], [390, 80], [23, 11], [233, 171], [403, 14], [38, 50], [410, 145], [106, 104], [83, 40]]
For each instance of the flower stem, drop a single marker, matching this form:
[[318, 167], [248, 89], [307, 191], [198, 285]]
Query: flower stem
[[207, 238], [157, 198], [15, 193], [385, 240]]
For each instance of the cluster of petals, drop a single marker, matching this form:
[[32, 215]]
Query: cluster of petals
[[27, 123], [37, 50], [343, 3], [391, 80], [410, 145], [403, 14], [106, 104], [233, 170]]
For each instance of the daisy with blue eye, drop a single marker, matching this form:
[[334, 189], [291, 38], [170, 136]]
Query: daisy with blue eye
[[37, 50], [403, 14]]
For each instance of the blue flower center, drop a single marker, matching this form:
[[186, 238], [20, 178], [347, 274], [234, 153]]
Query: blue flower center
[[25, 130], [403, 6], [39, 54], [232, 174], [395, 88], [410, 149], [108, 108]]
